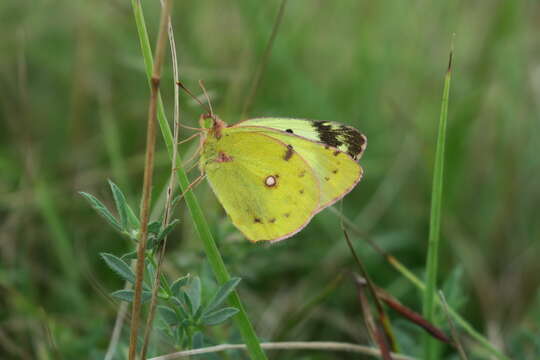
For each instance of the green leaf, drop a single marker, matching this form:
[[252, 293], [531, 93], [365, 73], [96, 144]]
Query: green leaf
[[127, 295], [101, 210], [151, 242], [168, 315], [218, 316], [165, 286], [133, 220], [175, 202], [198, 341], [154, 227], [176, 287], [179, 334], [119, 267], [222, 294], [121, 205], [198, 314], [194, 293], [129, 256], [151, 271], [180, 306], [188, 303], [167, 230]]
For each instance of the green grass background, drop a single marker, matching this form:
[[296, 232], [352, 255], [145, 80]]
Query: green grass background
[[73, 108]]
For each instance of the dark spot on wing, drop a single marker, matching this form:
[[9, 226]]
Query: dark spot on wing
[[337, 152], [326, 178], [287, 215], [223, 157], [257, 220], [272, 220], [301, 191], [345, 138], [335, 171], [302, 173], [327, 134], [288, 153], [354, 139], [289, 131]]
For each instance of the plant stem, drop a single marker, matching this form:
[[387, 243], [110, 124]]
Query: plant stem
[[264, 59], [170, 191], [201, 226], [383, 317], [288, 345], [413, 279], [147, 181]]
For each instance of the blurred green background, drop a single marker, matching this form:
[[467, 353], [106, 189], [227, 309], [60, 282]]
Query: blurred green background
[[73, 108]]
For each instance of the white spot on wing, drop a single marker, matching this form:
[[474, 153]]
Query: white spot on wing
[[270, 181]]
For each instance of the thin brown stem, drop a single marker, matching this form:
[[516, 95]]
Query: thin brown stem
[[455, 335], [264, 60], [412, 316], [289, 345], [147, 181], [371, 326], [380, 309], [170, 191], [118, 324]]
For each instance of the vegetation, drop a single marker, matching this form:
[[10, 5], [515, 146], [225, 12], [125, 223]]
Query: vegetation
[[74, 101]]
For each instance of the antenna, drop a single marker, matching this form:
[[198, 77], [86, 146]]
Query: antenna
[[183, 87], [201, 84]]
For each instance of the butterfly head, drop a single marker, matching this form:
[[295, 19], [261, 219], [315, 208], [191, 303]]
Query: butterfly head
[[212, 124]]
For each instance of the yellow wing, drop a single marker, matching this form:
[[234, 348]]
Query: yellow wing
[[336, 171], [269, 192], [340, 136]]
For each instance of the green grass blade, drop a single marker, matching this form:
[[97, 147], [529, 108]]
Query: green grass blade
[[201, 226], [430, 344]]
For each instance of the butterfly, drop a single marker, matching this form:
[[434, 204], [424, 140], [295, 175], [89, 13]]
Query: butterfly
[[272, 175]]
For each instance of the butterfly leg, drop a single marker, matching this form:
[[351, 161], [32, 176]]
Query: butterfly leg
[[193, 184], [191, 128], [189, 138]]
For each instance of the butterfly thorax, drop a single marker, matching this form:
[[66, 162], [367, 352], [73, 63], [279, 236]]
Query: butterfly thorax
[[213, 128]]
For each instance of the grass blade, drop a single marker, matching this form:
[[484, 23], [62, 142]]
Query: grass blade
[[430, 345]]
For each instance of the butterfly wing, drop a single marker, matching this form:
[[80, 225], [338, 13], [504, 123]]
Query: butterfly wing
[[342, 137], [269, 192], [336, 171]]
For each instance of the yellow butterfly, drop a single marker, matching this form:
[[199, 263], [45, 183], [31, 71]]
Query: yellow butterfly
[[272, 175]]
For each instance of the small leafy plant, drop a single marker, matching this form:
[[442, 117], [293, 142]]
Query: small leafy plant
[[179, 303]]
